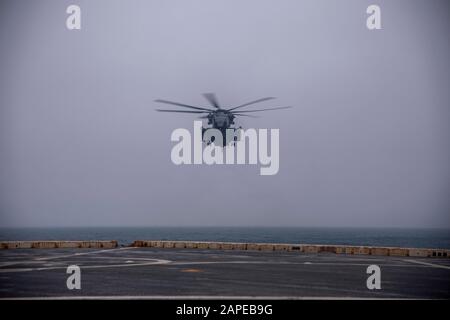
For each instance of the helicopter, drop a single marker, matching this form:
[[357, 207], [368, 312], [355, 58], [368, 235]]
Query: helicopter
[[219, 118]]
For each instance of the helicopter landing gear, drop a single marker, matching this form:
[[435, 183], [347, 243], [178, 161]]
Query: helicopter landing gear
[[221, 137]]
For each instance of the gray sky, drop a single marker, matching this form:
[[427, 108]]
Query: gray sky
[[366, 144]]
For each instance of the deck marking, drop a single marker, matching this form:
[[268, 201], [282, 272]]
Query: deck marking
[[83, 253], [428, 264], [147, 263], [288, 263], [11, 263]]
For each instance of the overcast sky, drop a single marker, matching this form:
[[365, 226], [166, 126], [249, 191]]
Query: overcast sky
[[366, 144]]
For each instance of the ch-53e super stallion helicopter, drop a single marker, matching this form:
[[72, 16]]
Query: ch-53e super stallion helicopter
[[219, 118]]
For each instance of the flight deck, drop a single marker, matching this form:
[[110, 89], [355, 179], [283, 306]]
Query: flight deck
[[171, 273]]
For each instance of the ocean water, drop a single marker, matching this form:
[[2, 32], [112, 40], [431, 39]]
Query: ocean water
[[420, 238]]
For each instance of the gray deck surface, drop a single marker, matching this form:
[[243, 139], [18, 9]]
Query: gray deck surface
[[168, 273]]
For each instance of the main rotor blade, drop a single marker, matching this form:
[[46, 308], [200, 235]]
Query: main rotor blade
[[182, 105], [252, 102], [244, 115], [211, 97], [181, 111], [246, 111]]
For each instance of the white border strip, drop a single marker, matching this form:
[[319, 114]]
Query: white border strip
[[157, 297]]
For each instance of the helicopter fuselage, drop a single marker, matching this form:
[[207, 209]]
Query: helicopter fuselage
[[220, 119]]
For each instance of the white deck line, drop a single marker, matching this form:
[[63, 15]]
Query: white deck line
[[427, 264]]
